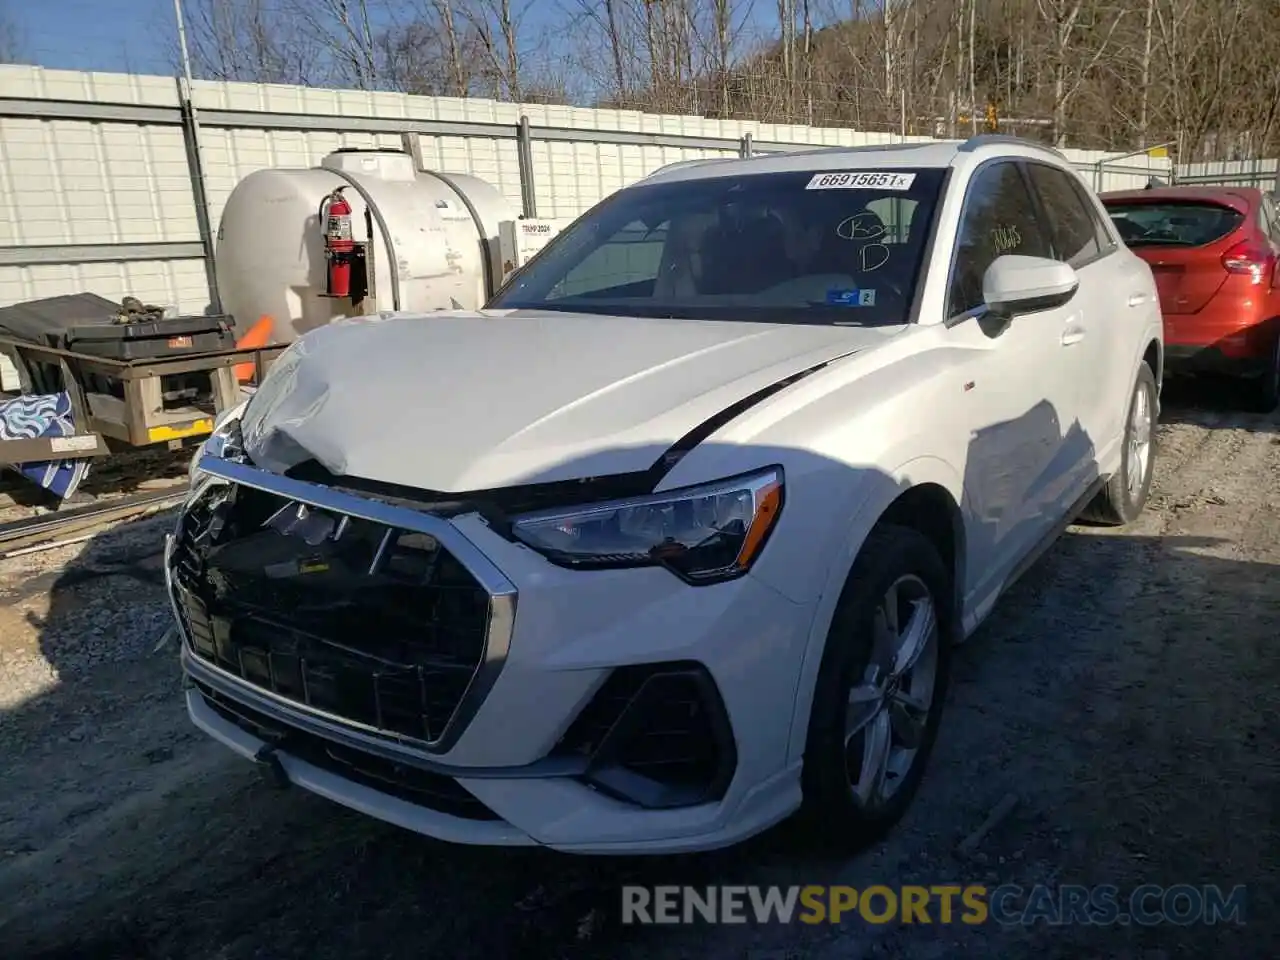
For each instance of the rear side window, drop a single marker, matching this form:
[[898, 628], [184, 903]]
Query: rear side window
[[1075, 237], [1172, 224], [1106, 242]]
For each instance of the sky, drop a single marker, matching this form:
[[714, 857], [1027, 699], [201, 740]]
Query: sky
[[111, 35], [126, 36], [137, 36]]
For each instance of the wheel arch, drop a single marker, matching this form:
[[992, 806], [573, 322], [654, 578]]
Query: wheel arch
[[931, 509], [925, 495], [1153, 356]]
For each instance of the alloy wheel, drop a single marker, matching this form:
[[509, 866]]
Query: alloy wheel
[[1139, 441], [889, 706]]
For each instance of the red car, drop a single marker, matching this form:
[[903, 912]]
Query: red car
[[1215, 253]]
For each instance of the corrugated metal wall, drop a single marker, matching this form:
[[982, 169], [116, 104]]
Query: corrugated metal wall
[[122, 176], [1261, 173]]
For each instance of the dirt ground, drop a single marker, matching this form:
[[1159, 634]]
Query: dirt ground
[[1127, 691]]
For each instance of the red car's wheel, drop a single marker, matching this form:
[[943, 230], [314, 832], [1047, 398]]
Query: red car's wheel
[[1266, 389]]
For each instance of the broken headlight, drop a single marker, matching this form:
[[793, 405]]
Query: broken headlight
[[704, 534], [225, 432]]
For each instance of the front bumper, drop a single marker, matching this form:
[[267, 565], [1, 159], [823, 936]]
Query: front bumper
[[519, 765]]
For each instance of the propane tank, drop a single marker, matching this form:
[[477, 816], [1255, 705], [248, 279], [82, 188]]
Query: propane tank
[[339, 243], [420, 241]]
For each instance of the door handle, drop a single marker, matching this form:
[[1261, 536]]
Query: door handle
[[1137, 299], [1073, 335]]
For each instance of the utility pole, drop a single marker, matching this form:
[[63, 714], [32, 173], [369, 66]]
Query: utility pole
[[182, 45]]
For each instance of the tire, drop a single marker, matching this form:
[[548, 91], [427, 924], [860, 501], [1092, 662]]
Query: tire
[[832, 813], [1264, 392], [1121, 501]]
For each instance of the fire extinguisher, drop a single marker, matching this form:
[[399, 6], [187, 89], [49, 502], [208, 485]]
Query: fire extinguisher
[[339, 244]]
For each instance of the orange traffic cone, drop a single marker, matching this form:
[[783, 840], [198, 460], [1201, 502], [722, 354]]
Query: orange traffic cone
[[259, 335]]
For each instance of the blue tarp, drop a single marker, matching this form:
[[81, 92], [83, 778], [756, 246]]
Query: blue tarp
[[36, 417]]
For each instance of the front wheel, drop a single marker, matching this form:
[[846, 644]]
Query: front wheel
[[880, 690], [1125, 494]]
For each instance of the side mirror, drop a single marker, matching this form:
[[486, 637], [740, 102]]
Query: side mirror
[[1015, 284]]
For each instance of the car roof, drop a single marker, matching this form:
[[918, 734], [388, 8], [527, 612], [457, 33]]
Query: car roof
[[939, 154], [1241, 199]]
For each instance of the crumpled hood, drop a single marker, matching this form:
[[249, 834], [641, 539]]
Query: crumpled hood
[[456, 402]]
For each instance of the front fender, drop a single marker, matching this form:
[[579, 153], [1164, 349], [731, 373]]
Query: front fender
[[874, 499], [830, 509]]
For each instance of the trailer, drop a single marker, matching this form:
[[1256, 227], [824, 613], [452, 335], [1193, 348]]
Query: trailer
[[132, 403], [368, 230], [114, 387]]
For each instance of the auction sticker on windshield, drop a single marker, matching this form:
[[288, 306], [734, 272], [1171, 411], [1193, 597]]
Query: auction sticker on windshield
[[861, 180]]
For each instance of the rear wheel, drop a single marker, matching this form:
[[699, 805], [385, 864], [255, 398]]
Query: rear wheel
[[1264, 393], [880, 689], [1125, 494]]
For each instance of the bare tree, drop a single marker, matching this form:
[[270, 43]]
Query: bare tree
[[1063, 18], [613, 23], [1144, 102], [250, 40], [722, 45], [452, 44], [345, 30], [497, 25], [430, 55], [1119, 74], [12, 37]]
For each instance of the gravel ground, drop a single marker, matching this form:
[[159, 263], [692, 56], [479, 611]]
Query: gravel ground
[[108, 479], [1125, 691]]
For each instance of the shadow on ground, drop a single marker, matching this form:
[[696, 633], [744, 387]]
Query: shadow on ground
[[1142, 754], [1210, 401]]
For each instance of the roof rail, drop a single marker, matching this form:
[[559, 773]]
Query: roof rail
[[986, 139], [677, 164]]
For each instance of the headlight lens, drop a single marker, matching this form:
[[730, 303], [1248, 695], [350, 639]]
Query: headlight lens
[[704, 534]]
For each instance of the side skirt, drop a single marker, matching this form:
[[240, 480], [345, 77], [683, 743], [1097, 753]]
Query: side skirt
[[1035, 553]]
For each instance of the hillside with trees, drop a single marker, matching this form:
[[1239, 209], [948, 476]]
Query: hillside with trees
[[1200, 75]]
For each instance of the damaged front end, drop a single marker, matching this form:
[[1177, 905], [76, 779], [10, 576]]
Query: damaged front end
[[342, 627], [383, 618], [342, 624]]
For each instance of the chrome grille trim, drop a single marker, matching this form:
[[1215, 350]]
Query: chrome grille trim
[[502, 593]]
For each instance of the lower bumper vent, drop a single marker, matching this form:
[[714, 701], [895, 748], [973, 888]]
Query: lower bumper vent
[[656, 735]]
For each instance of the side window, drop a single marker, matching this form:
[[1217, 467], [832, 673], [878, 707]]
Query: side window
[[998, 219], [1075, 234], [625, 265], [1106, 241]]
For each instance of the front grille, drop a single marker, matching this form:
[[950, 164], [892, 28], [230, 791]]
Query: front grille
[[377, 626], [420, 787]]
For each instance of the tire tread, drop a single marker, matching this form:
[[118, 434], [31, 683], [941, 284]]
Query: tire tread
[[828, 815]]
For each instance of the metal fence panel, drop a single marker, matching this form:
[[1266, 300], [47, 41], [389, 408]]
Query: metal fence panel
[[98, 188], [1259, 172]]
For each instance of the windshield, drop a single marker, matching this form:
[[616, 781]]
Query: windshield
[[1177, 224], [819, 248]]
